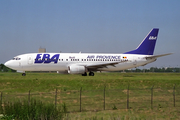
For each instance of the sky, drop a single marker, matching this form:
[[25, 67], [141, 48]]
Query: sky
[[89, 26]]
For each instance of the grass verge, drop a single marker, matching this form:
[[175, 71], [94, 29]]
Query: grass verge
[[31, 110]]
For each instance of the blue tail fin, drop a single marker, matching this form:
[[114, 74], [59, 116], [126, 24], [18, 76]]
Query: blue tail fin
[[147, 45]]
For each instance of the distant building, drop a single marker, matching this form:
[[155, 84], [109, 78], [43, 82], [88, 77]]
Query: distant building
[[42, 50]]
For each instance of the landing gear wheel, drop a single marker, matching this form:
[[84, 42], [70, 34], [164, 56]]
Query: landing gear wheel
[[85, 74], [23, 74], [91, 74]]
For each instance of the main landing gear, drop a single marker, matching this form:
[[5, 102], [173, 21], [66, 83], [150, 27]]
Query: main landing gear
[[85, 74], [90, 74]]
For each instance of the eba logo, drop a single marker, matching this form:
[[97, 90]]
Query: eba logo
[[46, 58], [152, 38]]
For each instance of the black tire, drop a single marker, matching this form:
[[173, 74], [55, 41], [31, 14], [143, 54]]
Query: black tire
[[85, 74], [91, 74], [23, 74]]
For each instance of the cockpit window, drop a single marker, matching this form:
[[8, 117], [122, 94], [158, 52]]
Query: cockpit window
[[16, 58]]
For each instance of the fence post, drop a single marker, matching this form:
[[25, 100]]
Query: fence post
[[29, 97], [152, 97], [174, 96], [80, 98], [1, 97], [128, 97], [56, 98], [104, 96], [1, 103]]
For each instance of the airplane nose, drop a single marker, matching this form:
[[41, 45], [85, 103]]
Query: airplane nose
[[13, 64], [10, 64], [7, 64]]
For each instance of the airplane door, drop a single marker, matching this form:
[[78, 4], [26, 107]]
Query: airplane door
[[30, 60], [19, 64]]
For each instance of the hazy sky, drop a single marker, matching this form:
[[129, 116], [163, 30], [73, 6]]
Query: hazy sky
[[95, 26]]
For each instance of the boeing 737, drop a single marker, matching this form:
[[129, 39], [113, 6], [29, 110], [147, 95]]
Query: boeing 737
[[81, 63]]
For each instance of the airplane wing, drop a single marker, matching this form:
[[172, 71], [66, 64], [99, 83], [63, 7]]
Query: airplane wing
[[156, 56], [94, 66]]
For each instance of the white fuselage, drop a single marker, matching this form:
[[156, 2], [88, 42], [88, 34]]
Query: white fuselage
[[61, 61]]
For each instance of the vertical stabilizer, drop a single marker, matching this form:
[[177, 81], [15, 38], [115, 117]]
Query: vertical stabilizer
[[147, 46]]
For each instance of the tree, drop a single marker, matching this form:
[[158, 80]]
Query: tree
[[3, 68]]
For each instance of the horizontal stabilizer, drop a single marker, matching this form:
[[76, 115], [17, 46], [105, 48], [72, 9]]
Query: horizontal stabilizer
[[156, 56]]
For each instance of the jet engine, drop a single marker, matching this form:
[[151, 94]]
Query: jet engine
[[76, 69]]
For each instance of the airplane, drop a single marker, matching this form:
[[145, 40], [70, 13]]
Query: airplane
[[81, 63]]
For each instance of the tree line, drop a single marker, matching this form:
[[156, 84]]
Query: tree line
[[155, 69]]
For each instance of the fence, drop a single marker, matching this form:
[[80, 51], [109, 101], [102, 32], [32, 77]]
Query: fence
[[104, 99]]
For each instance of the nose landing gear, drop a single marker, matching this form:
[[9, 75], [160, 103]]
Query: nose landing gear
[[23, 74]]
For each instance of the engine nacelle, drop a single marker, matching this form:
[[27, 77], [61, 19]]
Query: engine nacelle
[[76, 69]]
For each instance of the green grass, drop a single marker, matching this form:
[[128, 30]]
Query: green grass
[[43, 85], [132, 114], [31, 110], [46, 82]]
